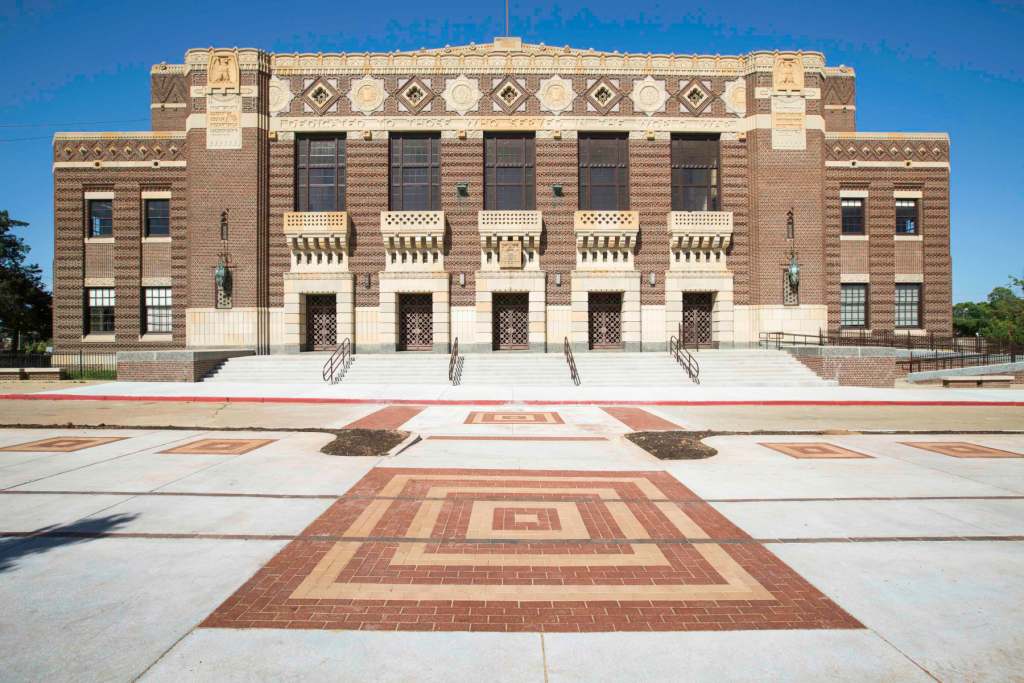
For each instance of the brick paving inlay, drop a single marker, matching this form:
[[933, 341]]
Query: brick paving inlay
[[392, 417], [961, 449], [826, 451], [62, 444], [513, 418], [640, 420], [523, 550], [220, 446]]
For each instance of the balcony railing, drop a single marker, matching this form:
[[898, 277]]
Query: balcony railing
[[318, 240], [413, 240], [606, 221], [605, 240], [315, 222], [509, 222], [700, 229], [411, 223]]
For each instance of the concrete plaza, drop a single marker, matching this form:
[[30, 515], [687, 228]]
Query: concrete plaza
[[136, 552]]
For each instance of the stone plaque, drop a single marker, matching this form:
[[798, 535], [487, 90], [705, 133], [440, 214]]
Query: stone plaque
[[223, 121], [510, 255], [789, 114]]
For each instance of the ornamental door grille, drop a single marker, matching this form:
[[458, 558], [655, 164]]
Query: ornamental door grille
[[415, 322], [695, 330], [321, 322], [511, 321], [605, 320]]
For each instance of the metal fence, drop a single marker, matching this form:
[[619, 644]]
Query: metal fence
[[76, 364]]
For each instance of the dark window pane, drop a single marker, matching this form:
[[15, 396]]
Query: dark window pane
[[906, 216], [320, 173], [853, 216], [694, 173], [508, 171], [101, 217], [158, 217]]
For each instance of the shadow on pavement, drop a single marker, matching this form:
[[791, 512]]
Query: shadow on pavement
[[48, 538]]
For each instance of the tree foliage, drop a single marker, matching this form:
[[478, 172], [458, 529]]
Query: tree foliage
[[25, 305], [1000, 316]]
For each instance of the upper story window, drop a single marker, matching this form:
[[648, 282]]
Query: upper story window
[[415, 172], [853, 215], [158, 217], [156, 307], [509, 172], [853, 305], [695, 173], [908, 305], [906, 217], [320, 173], [604, 171], [99, 310], [101, 218]]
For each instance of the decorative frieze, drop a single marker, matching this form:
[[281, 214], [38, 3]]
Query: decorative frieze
[[699, 240], [462, 94], [509, 240], [556, 95], [318, 240], [413, 240], [367, 95], [649, 96], [605, 240]]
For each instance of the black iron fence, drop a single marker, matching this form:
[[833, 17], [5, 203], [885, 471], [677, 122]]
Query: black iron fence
[[926, 351], [76, 364]]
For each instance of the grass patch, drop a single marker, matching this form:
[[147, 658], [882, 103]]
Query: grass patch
[[90, 374], [675, 445], [364, 442]]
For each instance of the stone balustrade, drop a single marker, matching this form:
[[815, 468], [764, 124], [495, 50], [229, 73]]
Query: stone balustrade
[[413, 240], [699, 239], [605, 240], [318, 240]]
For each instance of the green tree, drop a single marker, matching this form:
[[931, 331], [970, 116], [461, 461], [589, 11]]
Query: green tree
[[1000, 317], [25, 305]]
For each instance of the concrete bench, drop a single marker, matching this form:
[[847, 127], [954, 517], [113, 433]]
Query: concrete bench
[[10, 373], [44, 373], [977, 380]]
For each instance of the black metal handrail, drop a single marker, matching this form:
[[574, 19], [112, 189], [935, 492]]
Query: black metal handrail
[[684, 358], [335, 367], [574, 374], [945, 361], [454, 363]]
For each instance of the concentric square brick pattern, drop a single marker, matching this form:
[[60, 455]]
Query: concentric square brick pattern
[[514, 418], [520, 550], [962, 449], [824, 451], [62, 444], [219, 446]]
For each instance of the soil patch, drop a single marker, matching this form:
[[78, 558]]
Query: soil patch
[[674, 445], [364, 442]]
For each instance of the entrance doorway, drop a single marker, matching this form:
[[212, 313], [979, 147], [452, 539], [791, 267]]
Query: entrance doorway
[[605, 320], [415, 322], [321, 322], [510, 321], [695, 330]]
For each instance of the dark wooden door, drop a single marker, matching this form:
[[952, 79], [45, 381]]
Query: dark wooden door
[[605, 320], [696, 327], [321, 322], [510, 321], [415, 322]]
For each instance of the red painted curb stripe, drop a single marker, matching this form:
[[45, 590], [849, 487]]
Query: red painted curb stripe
[[489, 402]]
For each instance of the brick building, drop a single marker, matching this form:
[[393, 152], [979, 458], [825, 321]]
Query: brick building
[[508, 195]]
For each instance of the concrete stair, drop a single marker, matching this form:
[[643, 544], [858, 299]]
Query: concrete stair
[[752, 368]]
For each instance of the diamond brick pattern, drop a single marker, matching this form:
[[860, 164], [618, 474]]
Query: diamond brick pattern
[[520, 550]]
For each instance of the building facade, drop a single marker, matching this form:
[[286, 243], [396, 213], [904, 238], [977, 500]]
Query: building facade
[[511, 196]]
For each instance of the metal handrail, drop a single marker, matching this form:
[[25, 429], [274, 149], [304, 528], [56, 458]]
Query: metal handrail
[[684, 358], [453, 363], [339, 361], [574, 374]]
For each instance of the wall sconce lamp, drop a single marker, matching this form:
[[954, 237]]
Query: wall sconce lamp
[[224, 225], [367, 281], [558, 279], [556, 190], [462, 279], [462, 189], [652, 278]]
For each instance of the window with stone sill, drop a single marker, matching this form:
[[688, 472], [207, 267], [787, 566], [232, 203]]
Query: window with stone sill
[[320, 173], [101, 218], [99, 310], [906, 217], [853, 306], [156, 310], [853, 215], [509, 176], [694, 160], [415, 182], [158, 217], [603, 172]]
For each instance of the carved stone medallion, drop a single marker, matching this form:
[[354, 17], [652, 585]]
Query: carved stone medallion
[[788, 73], [735, 97], [367, 95], [222, 70], [461, 94], [280, 95], [556, 94], [649, 96]]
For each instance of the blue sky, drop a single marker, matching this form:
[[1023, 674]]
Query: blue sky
[[921, 66]]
